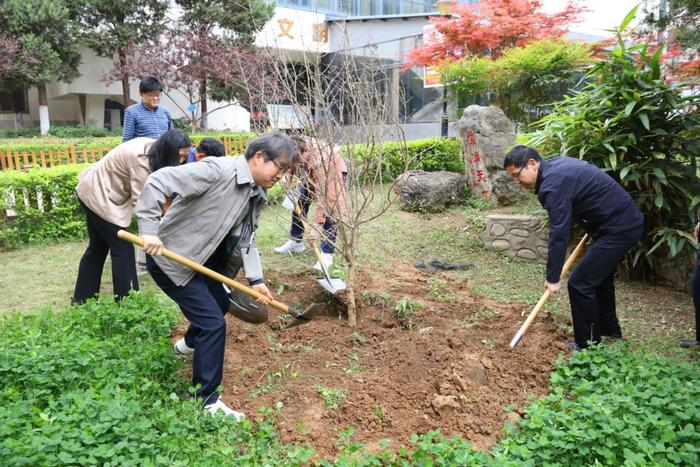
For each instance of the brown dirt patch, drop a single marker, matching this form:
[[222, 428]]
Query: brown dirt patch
[[453, 369]]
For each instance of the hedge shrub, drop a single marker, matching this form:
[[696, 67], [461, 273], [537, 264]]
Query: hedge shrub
[[430, 154], [59, 131], [60, 217], [53, 144]]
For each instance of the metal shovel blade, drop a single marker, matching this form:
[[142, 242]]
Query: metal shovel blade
[[332, 285], [303, 317]]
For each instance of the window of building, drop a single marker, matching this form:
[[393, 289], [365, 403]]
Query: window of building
[[13, 101], [363, 7]]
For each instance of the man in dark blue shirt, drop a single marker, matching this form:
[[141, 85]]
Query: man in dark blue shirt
[[695, 286], [574, 190], [147, 118]]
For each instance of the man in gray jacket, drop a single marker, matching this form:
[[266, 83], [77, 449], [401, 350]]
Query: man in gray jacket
[[212, 220]]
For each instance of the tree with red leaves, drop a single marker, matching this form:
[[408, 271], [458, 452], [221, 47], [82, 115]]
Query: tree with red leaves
[[675, 23], [489, 27]]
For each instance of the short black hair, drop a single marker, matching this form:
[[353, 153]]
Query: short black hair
[[165, 152], [273, 145], [519, 155], [211, 147], [150, 84]]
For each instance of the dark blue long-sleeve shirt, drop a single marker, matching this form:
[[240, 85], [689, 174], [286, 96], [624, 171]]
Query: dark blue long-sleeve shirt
[[572, 189]]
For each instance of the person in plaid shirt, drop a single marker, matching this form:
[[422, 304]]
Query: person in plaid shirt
[[147, 118]]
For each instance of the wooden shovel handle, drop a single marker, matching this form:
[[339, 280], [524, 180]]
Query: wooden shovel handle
[[136, 240], [533, 314]]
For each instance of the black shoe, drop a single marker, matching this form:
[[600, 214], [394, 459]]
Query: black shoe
[[613, 335], [687, 343]]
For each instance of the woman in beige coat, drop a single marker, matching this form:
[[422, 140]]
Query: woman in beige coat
[[107, 191]]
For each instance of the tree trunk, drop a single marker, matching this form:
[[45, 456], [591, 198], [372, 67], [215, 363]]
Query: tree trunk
[[203, 103], [44, 122], [126, 92], [350, 256], [352, 305]]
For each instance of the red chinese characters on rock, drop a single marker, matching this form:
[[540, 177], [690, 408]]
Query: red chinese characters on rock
[[476, 171]]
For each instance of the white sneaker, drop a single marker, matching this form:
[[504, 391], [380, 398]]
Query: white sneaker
[[291, 246], [327, 261], [182, 350], [220, 406]]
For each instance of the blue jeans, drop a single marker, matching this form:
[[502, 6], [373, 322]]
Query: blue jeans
[[297, 230]]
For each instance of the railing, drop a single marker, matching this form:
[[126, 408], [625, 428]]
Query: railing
[[235, 146], [25, 160]]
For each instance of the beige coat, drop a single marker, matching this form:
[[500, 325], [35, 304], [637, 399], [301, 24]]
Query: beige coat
[[111, 186]]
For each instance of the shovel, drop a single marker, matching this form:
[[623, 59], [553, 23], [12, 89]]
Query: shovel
[[531, 317], [332, 285], [300, 317]]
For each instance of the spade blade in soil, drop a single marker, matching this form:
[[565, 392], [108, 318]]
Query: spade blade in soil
[[332, 285], [304, 316]]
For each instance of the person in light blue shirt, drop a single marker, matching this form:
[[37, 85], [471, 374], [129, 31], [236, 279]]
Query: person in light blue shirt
[[147, 118]]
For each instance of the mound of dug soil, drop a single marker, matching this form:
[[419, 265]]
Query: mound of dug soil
[[426, 354]]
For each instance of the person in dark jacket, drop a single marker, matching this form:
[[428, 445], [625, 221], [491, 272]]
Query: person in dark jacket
[[695, 286], [574, 190]]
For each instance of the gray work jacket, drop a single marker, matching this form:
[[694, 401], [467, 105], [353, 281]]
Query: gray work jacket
[[210, 198]]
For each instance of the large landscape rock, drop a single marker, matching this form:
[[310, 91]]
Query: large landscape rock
[[432, 191], [486, 134]]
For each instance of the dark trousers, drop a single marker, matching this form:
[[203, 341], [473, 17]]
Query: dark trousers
[[297, 230], [695, 284], [204, 303], [103, 239], [592, 289]]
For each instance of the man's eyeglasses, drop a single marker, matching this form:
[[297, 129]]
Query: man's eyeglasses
[[280, 168], [517, 174]]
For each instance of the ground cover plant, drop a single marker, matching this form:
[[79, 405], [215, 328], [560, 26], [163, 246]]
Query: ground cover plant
[[98, 385]]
